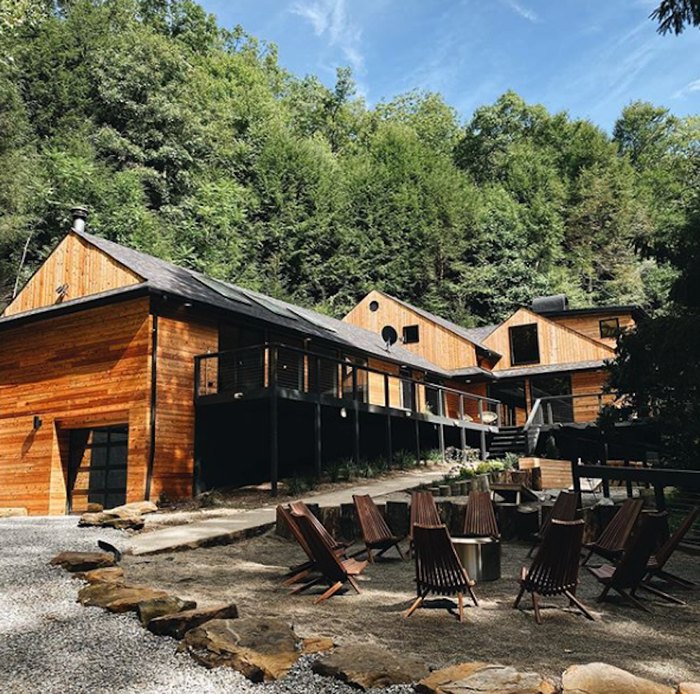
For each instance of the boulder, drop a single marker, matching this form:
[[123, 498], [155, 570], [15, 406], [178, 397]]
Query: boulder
[[117, 597], [134, 508], [82, 561], [110, 574], [366, 666], [600, 678], [94, 507], [122, 520], [316, 644], [158, 607], [262, 649], [473, 678], [688, 688], [179, 623]]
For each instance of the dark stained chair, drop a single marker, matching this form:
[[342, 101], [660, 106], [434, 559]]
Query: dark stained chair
[[626, 578], [376, 534], [655, 567], [299, 507], [423, 512], [554, 570], [333, 570], [438, 569], [479, 517], [564, 508], [613, 539]]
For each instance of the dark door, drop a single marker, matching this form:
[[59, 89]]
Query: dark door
[[97, 467], [555, 409]]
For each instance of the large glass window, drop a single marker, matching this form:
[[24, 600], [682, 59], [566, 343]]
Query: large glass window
[[524, 345]]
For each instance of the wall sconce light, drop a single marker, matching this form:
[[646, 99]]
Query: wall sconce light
[[343, 412], [37, 422]]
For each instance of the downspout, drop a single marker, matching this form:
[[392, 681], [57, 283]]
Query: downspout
[[152, 423]]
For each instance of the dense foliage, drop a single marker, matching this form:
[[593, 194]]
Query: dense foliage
[[193, 143]]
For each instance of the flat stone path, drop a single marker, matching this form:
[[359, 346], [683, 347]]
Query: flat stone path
[[243, 523]]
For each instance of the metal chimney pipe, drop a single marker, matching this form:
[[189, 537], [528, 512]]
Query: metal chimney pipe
[[79, 215]]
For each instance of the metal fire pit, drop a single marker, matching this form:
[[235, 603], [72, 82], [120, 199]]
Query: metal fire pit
[[480, 556]]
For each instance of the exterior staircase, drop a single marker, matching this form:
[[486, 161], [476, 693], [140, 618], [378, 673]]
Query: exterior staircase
[[507, 440]]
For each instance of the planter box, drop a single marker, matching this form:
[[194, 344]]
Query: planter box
[[555, 474]]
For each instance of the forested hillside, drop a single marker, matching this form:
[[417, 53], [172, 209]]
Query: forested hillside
[[194, 143]]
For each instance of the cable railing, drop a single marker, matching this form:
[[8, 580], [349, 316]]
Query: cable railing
[[242, 372]]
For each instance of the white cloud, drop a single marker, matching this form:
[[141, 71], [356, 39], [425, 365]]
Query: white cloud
[[693, 86], [524, 12], [330, 19]]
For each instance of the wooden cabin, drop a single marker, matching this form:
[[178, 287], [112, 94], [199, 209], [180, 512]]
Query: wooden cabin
[[124, 377], [546, 361]]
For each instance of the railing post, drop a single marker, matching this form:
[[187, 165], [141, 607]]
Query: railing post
[[441, 429], [550, 414], [604, 463], [300, 371], [387, 401], [659, 497], [574, 476], [628, 484], [319, 387], [480, 410], [206, 377]]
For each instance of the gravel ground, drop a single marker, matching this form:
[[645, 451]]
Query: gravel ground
[[50, 643], [661, 645]]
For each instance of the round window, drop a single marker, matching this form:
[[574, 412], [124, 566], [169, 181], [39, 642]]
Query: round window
[[373, 306]]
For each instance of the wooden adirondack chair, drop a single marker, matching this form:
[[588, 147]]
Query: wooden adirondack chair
[[423, 512], [332, 569], [479, 518], [564, 509], [613, 539], [555, 568], [438, 569], [299, 507], [626, 578], [376, 534], [655, 566]]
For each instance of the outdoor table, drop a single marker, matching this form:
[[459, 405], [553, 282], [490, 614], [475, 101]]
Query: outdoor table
[[480, 556]]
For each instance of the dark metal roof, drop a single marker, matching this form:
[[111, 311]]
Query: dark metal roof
[[473, 335], [162, 277], [549, 368], [636, 311]]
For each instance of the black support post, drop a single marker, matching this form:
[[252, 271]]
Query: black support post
[[604, 461], [628, 483], [659, 496], [274, 422], [574, 476], [318, 438], [418, 456]]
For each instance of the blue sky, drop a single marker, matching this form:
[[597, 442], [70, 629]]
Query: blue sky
[[588, 57]]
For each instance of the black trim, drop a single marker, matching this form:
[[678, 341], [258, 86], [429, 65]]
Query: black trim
[[154, 391]]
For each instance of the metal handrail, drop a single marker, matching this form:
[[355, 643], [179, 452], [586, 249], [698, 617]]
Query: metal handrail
[[354, 369], [538, 406]]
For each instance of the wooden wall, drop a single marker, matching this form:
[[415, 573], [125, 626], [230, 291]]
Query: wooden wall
[[586, 409], [179, 341], [558, 344], [590, 325], [87, 369], [437, 344], [85, 269]]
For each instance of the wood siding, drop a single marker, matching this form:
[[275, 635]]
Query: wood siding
[[558, 344], [87, 369], [590, 325], [79, 265], [179, 341], [586, 409], [437, 344]]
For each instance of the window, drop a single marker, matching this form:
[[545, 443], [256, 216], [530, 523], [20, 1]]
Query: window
[[373, 306], [524, 346], [410, 334], [610, 327]]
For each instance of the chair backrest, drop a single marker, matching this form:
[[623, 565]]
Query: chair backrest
[[555, 566], [300, 508], [323, 555], [479, 518], [372, 524], [291, 524], [564, 508], [438, 568], [633, 565], [616, 533], [669, 547], [423, 510]]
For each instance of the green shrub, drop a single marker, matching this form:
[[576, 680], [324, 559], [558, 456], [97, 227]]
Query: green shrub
[[511, 461]]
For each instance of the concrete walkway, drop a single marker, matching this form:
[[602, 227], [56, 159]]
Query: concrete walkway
[[237, 524]]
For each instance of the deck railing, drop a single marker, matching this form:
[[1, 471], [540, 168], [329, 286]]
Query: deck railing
[[242, 372], [576, 408]]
